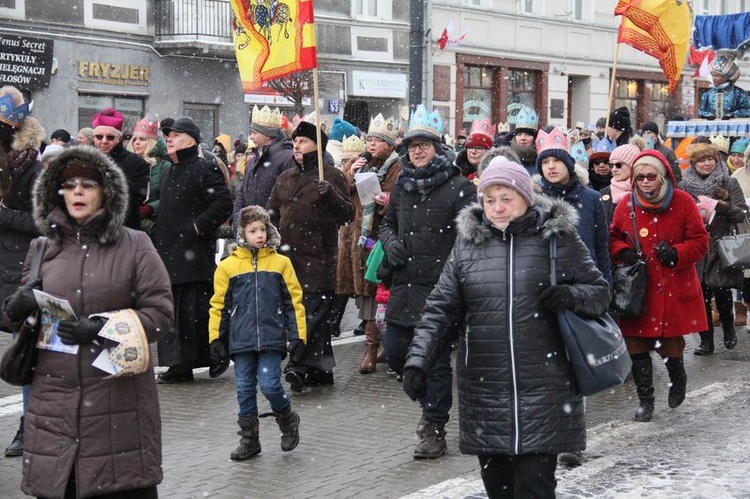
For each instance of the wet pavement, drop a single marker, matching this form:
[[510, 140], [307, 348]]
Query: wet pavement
[[357, 439]]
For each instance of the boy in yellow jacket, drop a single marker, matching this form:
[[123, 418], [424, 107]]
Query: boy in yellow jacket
[[255, 309]]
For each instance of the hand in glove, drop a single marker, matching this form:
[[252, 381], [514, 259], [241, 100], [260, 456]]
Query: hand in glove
[[558, 298], [218, 358], [722, 194], [146, 211], [22, 303], [395, 252], [324, 187], [80, 332], [666, 254], [415, 383], [628, 256], [296, 351]]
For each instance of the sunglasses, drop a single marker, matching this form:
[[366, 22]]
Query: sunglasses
[[617, 165], [649, 176], [72, 183], [109, 137], [422, 146]]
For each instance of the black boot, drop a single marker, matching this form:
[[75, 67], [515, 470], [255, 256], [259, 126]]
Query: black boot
[[15, 449], [288, 422], [678, 378], [730, 335], [707, 344], [643, 375], [249, 441], [338, 306], [361, 329]]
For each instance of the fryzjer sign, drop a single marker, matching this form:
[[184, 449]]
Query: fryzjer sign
[[25, 62]]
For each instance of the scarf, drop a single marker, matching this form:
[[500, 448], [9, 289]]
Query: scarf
[[655, 205], [699, 185], [619, 189], [568, 192], [731, 166], [424, 180], [368, 210]]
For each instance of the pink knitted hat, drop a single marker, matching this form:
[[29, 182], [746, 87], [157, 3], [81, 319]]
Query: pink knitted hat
[[507, 173], [624, 154], [108, 117]]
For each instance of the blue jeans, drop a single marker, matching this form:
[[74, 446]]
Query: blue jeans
[[259, 368], [439, 396]]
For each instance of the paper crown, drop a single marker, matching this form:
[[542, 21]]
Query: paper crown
[[146, 128], [483, 127], [352, 146], [11, 114], [386, 129], [425, 121], [503, 127], [578, 151], [527, 118], [266, 117], [555, 139], [580, 125], [325, 126], [131, 355], [721, 142]]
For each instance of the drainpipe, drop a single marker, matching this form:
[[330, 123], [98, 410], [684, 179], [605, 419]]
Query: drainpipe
[[416, 52]]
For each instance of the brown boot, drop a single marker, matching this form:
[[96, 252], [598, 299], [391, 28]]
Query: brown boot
[[740, 314], [433, 443], [373, 338]]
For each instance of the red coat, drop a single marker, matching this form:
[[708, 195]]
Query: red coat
[[674, 300]]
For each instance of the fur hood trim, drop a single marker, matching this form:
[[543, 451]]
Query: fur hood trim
[[556, 217], [250, 214], [47, 192], [491, 154], [29, 136]]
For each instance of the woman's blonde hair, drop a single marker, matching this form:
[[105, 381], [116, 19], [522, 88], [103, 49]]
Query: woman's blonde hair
[[146, 152]]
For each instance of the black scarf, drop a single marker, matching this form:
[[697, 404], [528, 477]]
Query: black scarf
[[424, 180]]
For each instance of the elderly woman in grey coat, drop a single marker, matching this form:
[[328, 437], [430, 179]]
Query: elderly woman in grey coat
[[88, 433], [519, 405]]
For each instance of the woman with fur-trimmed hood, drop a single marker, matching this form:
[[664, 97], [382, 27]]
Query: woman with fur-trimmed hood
[[519, 405], [88, 433]]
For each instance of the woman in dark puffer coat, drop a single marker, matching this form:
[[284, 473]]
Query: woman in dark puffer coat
[[519, 405]]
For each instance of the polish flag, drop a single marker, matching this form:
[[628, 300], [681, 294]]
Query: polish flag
[[447, 37], [702, 59]]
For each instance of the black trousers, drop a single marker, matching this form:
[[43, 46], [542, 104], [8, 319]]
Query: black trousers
[[185, 346], [530, 476]]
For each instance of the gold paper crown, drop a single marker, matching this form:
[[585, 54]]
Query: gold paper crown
[[352, 145], [310, 118], [721, 142], [386, 129], [266, 117], [503, 127]]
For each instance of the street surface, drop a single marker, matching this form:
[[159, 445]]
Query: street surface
[[357, 439]]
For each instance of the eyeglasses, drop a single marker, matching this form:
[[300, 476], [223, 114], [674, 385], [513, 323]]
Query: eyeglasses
[[109, 137], [617, 165], [422, 146], [72, 183], [476, 148], [649, 176]]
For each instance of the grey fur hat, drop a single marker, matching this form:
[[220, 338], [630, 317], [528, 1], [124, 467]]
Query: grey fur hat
[[254, 213]]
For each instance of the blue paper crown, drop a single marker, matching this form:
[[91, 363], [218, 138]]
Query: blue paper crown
[[578, 151], [527, 118], [10, 114], [423, 120]]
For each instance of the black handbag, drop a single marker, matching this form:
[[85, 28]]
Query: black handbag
[[630, 281], [595, 346], [19, 360], [734, 250]]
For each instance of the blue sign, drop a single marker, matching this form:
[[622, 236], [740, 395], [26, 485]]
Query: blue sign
[[333, 106]]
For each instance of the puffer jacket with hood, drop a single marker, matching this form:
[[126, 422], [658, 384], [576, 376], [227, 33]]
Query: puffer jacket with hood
[[517, 393], [108, 430], [257, 299]]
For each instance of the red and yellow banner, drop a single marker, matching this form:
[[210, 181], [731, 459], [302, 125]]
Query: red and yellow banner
[[660, 28], [272, 38]]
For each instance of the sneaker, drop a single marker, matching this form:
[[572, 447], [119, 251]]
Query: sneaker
[[571, 459], [433, 443]]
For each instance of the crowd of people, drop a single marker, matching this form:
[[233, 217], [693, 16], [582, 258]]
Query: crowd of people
[[450, 237]]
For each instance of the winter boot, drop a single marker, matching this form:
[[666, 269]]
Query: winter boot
[[707, 344], [433, 443], [288, 422], [643, 375], [740, 314], [730, 335], [678, 378], [373, 337], [249, 441], [360, 329], [338, 306], [421, 426], [15, 449]]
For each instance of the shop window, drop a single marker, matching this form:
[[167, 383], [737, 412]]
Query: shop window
[[206, 116], [522, 87], [477, 103], [90, 104], [626, 94]]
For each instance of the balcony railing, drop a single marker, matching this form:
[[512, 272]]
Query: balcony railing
[[180, 19]]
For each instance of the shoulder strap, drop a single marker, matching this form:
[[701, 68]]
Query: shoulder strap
[[553, 260], [36, 262], [635, 229]]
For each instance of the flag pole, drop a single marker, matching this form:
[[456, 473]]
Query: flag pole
[[318, 122], [612, 83]]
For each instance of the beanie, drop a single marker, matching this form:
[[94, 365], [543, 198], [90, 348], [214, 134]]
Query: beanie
[[61, 134], [307, 129], [500, 171], [560, 154], [650, 126], [77, 168], [739, 146], [108, 117], [651, 158], [341, 129], [479, 140], [624, 154], [619, 119]]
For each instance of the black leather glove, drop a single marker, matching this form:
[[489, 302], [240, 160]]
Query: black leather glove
[[296, 351], [628, 256], [395, 252], [22, 303], [666, 254], [218, 358], [722, 207], [80, 332], [558, 298], [415, 383], [324, 187], [722, 194]]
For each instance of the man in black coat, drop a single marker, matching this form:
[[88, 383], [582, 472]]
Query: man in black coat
[[195, 201], [108, 139]]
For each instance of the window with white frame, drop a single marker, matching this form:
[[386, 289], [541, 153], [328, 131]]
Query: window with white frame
[[581, 10], [377, 9], [529, 6], [474, 3], [15, 9], [116, 15]]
